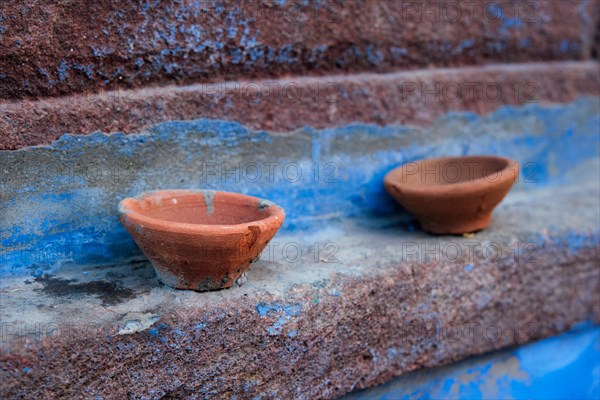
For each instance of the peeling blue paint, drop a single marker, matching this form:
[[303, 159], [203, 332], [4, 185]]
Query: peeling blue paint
[[46, 75], [200, 326], [526, 42], [292, 310], [374, 56], [284, 313], [264, 308], [465, 44], [63, 71]]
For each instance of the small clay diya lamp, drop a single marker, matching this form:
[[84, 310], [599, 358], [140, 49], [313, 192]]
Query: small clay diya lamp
[[452, 195], [200, 239]]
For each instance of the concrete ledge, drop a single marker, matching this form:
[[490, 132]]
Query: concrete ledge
[[385, 300], [414, 98], [62, 48]]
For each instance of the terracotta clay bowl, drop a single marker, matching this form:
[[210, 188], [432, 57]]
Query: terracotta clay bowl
[[452, 195], [200, 239]]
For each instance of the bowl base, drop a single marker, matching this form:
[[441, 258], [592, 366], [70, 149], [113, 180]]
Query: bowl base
[[206, 284], [456, 227]]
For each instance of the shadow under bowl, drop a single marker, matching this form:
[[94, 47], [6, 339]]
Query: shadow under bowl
[[452, 195], [200, 239]]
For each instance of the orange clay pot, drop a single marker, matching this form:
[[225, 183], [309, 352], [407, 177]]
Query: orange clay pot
[[200, 239], [453, 194]]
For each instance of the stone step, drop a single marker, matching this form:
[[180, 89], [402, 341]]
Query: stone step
[[283, 105], [367, 299], [315, 175], [63, 48]]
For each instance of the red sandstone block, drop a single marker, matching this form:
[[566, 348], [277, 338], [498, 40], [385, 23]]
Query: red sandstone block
[[49, 49], [413, 97]]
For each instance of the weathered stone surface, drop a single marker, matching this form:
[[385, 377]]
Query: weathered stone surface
[[389, 300], [415, 98], [596, 45], [64, 47]]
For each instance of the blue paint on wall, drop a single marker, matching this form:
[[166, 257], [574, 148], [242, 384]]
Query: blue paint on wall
[[284, 314], [561, 367], [59, 213]]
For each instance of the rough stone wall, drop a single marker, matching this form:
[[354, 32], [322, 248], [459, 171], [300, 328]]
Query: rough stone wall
[[409, 98], [49, 49]]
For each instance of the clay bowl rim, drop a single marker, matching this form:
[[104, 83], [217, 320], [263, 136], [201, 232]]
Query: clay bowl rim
[[392, 178], [275, 217]]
